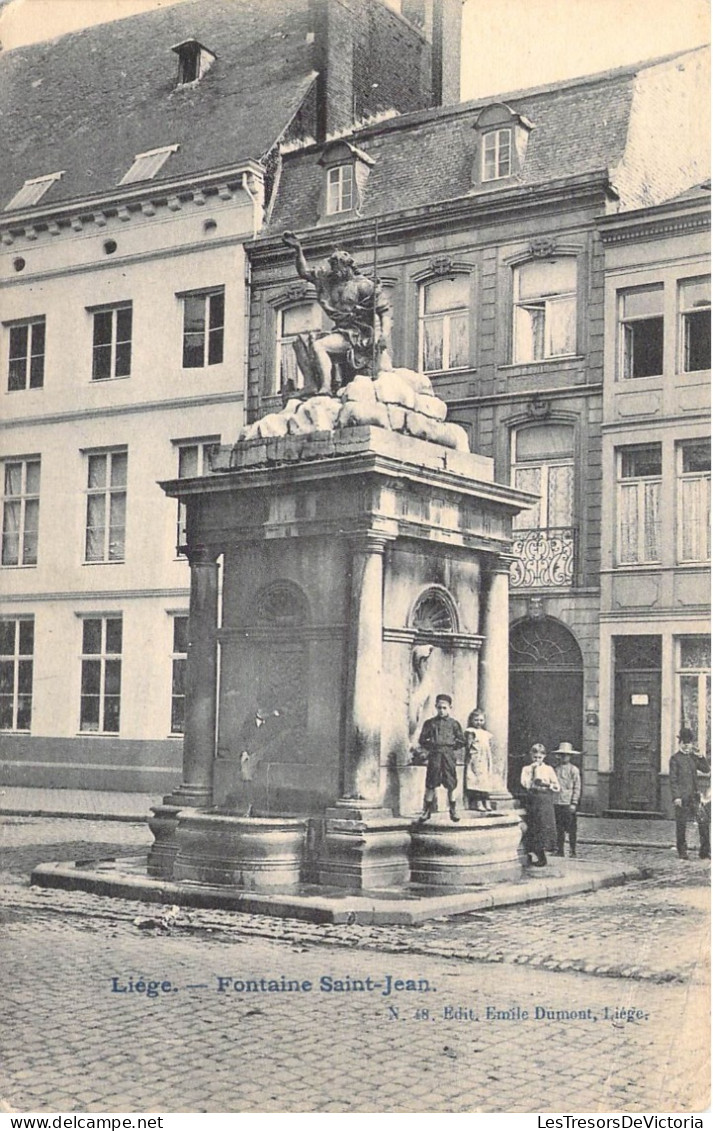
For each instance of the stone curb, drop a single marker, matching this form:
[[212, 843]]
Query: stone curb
[[131, 818], [365, 910], [141, 818], [665, 845]]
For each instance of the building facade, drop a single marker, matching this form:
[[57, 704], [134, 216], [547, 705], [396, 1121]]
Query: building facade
[[483, 222], [138, 159], [656, 474]]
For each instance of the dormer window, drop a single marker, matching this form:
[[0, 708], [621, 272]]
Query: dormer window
[[146, 165], [497, 155], [340, 189], [33, 190], [346, 172], [501, 139], [193, 61]]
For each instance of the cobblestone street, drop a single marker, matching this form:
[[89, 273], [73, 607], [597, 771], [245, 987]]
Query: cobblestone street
[[75, 1044]]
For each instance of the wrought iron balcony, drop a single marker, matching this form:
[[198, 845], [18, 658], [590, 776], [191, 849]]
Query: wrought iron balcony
[[544, 558]]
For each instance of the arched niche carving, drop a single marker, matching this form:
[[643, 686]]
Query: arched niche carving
[[282, 604], [434, 611]]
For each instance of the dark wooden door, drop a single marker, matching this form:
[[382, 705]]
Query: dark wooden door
[[637, 729], [545, 706]]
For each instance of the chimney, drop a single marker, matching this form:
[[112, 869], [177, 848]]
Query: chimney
[[445, 51], [334, 63], [440, 21], [369, 60]]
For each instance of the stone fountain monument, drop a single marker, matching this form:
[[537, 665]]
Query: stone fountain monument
[[364, 554]]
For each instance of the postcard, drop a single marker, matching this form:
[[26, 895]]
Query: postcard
[[355, 555]]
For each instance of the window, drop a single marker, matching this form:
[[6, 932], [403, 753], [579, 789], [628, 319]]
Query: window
[[32, 191], [543, 536], [545, 323], [106, 506], [20, 512], [291, 321], [178, 673], [146, 165], [694, 501], [17, 636], [497, 155], [111, 351], [445, 310], [101, 674], [694, 688], [203, 327], [694, 299], [544, 464], [193, 61], [27, 355], [639, 491], [641, 332], [193, 459], [340, 189]]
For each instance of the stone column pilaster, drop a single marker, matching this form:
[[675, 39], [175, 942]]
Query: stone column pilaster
[[362, 777], [196, 789], [493, 695]]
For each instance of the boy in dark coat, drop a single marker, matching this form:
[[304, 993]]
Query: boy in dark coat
[[441, 738], [683, 770]]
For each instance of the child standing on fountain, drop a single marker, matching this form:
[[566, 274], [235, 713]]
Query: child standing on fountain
[[478, 769], [441, 738]]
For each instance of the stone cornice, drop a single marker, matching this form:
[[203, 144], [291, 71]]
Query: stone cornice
[[627, 229], [86, 596], [172, 404], [358, 464], [128, 203], [523, 396], [281, 632], [468, 640], [487, 207]]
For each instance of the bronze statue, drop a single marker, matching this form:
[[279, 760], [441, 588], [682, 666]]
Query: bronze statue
[[358, 340]]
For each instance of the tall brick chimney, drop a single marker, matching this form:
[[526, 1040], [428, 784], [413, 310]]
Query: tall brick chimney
[[369, 59], [441, 22]]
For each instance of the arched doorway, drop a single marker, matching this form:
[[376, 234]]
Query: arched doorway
[[546, 686]]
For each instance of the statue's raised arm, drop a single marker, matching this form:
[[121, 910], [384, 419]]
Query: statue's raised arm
[[357, 307], [303, 269]]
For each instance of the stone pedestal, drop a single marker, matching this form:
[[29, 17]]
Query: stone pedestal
[[254, 853], [162, 853], [363, 848], [477, 850], [352, 595]]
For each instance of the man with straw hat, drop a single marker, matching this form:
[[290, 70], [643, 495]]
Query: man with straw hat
[[567, 800]]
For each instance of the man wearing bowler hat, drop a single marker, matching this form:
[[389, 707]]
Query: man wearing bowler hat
[[567, 800], [683, 775], [441, 738]]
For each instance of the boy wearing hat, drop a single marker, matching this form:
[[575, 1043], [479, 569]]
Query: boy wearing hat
[[683, 776], [567, 800], [441, 738]]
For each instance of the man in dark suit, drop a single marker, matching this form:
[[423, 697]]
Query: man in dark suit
[[683, 775]]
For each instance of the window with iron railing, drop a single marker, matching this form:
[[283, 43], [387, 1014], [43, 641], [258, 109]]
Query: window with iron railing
[[544, 539]]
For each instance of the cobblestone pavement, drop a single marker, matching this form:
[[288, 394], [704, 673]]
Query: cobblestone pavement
[[75, 1045]]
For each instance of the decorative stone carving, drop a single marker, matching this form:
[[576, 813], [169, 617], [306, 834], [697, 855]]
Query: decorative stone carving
[[434, 612], [282, 603], [441, 265], [542, 248], [538, 408]]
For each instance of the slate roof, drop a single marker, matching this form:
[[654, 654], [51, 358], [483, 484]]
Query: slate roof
[[698, 192], [89, 101], [579, 126]]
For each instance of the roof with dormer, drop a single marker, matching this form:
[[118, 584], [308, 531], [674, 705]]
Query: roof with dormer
[[634, 124], [88, 102]]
